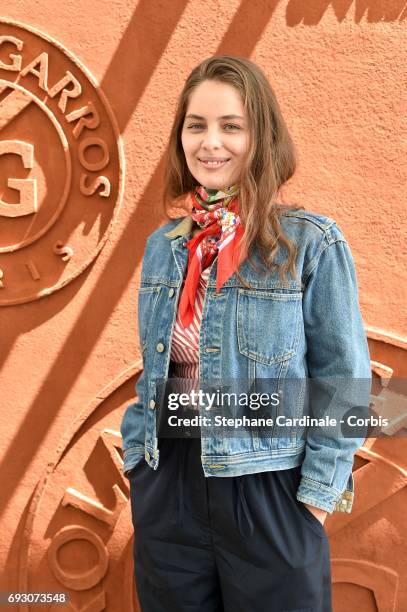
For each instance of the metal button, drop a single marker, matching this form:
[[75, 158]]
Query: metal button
[[152, 403], [171, 292], [147, 456], [211, 349], [160, 347]]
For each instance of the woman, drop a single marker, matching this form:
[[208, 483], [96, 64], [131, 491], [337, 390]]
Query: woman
[[242, 287]]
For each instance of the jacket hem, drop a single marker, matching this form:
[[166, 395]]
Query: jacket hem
[[248, 464]]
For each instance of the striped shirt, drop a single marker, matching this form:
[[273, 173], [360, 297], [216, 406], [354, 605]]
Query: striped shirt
[[185, 340]]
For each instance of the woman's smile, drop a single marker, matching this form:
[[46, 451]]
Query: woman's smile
[[213, 164]]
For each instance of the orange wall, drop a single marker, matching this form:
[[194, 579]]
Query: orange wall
[[69, 350]]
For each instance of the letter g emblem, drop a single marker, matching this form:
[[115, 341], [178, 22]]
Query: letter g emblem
[[26, 187]]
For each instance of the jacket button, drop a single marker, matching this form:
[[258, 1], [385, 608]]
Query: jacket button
[[147, 456], [160, 347], [152, 403], [171, 292]]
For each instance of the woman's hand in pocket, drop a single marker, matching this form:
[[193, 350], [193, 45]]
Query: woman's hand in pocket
[[317, 512]]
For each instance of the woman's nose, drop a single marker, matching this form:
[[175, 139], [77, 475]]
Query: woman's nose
[[211, 139]]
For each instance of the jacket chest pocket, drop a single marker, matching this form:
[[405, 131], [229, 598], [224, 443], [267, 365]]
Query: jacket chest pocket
[[268, 324], [147, 301]]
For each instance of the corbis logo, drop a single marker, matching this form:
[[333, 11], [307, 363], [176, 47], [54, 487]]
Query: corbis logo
[[60, 165]]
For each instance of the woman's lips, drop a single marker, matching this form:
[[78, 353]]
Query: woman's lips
[[213, 165]]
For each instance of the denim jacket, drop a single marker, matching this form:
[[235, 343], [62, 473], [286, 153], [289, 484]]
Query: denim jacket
[[308, 327]]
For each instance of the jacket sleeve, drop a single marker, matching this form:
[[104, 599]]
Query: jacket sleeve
[[337, 353], [132, 429]]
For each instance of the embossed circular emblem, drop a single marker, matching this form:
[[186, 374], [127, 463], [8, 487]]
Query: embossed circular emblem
[[60, 165], [77, 532]]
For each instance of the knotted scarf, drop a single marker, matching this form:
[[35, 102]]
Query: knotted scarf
[[217, 212]]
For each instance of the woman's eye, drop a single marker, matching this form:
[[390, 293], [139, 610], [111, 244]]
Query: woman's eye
[[200, 126]]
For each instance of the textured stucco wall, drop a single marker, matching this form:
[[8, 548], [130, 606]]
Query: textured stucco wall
[[338, 70]]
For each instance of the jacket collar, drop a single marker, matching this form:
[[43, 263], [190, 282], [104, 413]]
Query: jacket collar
[[181, 229]]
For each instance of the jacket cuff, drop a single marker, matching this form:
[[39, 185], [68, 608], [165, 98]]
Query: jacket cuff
[[131, 457], [326, 498]]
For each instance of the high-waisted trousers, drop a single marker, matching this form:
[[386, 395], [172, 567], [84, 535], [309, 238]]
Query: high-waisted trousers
[[222, 544]]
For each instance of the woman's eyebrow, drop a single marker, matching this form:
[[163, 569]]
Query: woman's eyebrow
[[223, 117]]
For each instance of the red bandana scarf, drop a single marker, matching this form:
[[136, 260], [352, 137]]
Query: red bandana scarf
[[217, 212]]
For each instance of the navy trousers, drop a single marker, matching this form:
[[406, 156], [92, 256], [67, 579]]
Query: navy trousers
[[221, 544]]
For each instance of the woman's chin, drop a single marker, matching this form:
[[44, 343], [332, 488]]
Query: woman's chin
[[212, 182]]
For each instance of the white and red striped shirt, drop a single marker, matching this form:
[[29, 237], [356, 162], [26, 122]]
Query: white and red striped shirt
[[185, 340]]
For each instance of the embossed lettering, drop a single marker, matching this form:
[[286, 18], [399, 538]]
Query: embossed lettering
[[16, 65], [92, 123], [41, 73], [111, 441], [87, 144], [75, 498], [62, 250], [26, 187], [58, 139], [84, 580], [75, 92], [98, 182]]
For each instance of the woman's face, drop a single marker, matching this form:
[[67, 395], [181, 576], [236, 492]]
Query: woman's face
[[215, 135]]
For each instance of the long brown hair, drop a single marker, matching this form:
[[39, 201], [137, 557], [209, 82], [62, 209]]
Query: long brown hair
[[270, 162]]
